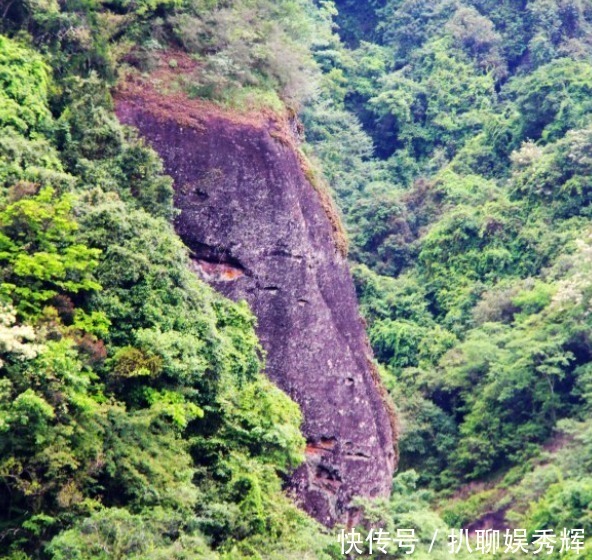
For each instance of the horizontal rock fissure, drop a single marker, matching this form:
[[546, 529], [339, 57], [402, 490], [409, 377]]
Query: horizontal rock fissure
[[213, 254]]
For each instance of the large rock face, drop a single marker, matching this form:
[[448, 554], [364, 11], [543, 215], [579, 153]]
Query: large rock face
[[258, 231]]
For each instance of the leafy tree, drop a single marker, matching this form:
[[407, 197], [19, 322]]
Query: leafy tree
[[40, 254], [551, 100]]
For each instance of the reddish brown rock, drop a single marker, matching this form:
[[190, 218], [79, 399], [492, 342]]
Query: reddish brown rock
[[259, 231]]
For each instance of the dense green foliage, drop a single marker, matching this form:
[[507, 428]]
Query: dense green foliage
[[135, 421], [457, 136]]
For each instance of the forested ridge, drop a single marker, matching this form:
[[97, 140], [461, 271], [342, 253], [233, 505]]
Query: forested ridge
[[135, 420]]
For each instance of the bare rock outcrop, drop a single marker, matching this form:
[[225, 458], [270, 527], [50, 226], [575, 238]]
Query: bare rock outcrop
[[258, 231]]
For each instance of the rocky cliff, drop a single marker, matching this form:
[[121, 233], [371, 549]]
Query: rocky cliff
[[258, 230]]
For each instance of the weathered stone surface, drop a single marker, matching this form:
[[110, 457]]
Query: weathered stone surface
[[258, 231]]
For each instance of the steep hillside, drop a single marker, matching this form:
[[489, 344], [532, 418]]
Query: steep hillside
[[135, 418]]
